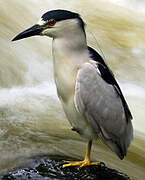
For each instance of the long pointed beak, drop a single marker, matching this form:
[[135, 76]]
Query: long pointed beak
[[32, 31]]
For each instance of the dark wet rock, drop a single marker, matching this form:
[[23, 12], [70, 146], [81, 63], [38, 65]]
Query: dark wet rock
[[50, 168]]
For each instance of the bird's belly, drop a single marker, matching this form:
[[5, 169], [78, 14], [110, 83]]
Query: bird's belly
[[78, 122], [66, 90]]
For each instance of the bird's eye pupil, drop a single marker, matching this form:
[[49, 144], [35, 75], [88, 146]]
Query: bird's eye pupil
[[51, 22]]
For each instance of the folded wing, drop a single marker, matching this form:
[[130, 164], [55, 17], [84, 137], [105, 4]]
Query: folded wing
[[100, 103]]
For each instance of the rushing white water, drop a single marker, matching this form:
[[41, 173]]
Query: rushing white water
[[135, 5], [31, 117]]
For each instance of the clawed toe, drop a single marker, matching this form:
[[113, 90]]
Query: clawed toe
[[82, 164]]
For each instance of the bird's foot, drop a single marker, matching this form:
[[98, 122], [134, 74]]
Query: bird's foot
[[82, 163]]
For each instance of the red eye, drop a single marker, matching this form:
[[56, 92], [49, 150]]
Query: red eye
[[51, 22]]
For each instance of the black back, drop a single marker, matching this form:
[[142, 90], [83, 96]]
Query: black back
[[108, 76]]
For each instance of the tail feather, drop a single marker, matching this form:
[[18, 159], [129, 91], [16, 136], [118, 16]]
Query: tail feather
[[120, 145], [126, 138]]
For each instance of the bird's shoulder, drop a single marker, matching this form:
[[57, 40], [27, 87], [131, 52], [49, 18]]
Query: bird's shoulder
[[108, 76]]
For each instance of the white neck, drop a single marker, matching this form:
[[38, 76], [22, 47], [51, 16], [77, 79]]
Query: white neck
[[69, 53], [70, 48]]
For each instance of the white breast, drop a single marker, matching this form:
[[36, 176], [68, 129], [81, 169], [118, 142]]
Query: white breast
[[67, 62], [65, 77]]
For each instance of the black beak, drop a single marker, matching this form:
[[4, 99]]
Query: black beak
[[32, 31]]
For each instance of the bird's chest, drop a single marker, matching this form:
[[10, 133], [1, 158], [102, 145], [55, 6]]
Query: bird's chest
[[65, 79], [66, 62]]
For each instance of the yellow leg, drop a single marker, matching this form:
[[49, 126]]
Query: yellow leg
[[86, 161]]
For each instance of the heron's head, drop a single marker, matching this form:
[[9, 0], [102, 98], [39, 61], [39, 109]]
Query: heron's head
[[55, 24]]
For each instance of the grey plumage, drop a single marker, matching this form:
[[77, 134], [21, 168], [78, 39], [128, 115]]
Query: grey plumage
[[102, 107]]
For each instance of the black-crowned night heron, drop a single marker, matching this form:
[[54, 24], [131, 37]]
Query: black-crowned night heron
[[90, 96]]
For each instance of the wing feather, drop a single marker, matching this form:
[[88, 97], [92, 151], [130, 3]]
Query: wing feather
[[108, 76], [100, 103]]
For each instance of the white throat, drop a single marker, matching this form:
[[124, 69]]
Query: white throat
[[69, 53], [70, 47]]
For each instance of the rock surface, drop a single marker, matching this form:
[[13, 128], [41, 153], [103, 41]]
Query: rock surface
[[50, 168]]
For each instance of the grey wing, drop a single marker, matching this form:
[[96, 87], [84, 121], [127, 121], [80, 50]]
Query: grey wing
[[103, 108]]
